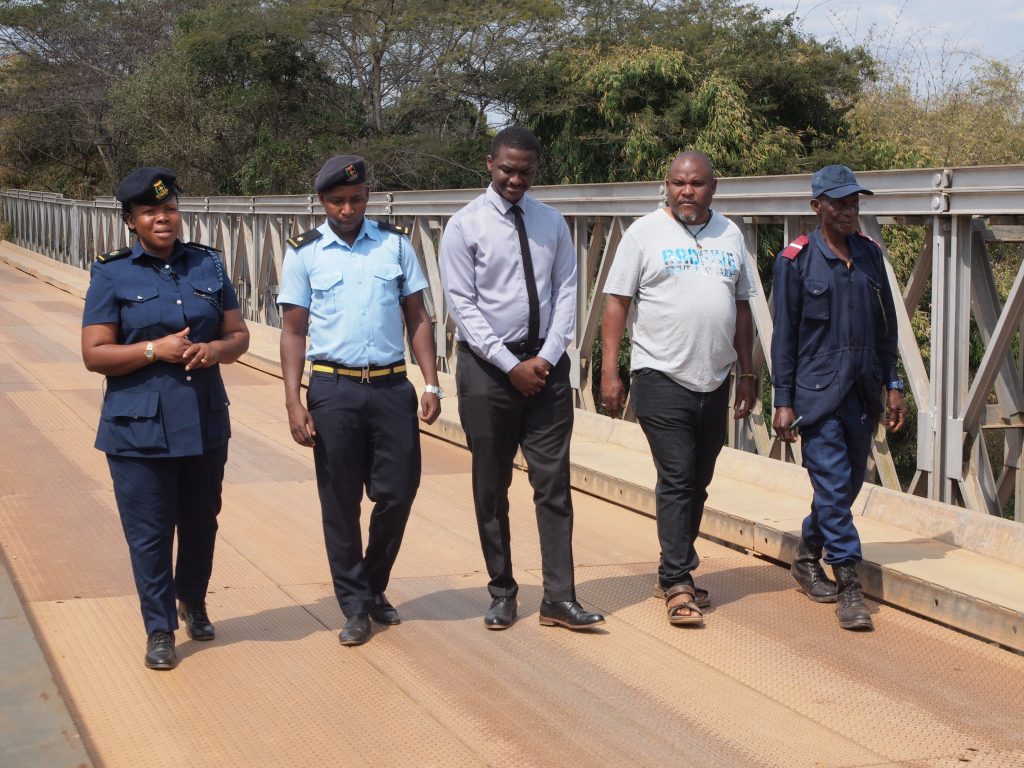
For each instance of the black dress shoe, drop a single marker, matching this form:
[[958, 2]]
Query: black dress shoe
[[356, 631], [569, 614], [197, 623], [160, 651], [382, 611], [502, 613]]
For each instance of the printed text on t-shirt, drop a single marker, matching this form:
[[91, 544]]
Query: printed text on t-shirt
[[709, 261]]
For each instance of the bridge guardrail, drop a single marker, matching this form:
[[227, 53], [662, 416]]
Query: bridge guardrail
[[962, 419]]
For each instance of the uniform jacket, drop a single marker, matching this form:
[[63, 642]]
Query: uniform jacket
[[161, 409], [835, 328]]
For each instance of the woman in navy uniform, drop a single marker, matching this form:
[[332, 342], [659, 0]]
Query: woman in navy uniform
[[160, 317]]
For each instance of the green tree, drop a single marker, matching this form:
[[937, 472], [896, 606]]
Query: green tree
[[620, 114], [979, 121], [60, 60], [237, 105]]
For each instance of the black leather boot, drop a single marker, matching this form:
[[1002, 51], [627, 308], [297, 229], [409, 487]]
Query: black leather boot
[[811, 577], [852, 612]]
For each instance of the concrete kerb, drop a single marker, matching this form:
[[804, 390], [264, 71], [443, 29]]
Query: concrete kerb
[[987, 535], [36, 727], [754, 502]]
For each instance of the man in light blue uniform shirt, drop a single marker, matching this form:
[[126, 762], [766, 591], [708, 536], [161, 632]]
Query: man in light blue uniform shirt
[[348, 284], [509, 271]]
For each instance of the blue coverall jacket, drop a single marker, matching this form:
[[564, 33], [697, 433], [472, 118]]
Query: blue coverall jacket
[[835, 327]]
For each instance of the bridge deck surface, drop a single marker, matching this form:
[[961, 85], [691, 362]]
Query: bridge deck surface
[[771, 680]]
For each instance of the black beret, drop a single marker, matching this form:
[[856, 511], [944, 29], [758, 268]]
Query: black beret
[[341, 170], [147, 186]]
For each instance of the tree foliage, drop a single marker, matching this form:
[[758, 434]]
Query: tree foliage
[[249, 96], [978, 121]]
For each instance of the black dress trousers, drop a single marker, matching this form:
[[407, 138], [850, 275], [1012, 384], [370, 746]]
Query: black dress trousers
[[366, 437], [498, 419]]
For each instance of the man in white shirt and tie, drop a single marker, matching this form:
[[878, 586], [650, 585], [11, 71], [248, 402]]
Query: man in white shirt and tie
[[509, 271]]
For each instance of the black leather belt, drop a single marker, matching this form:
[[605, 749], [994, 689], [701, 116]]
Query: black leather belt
[[517, 348], [367, 374]]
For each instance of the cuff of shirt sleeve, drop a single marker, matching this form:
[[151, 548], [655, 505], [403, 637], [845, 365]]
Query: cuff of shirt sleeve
[[551, 354], [505, 360], [783, 400], [295, 301]]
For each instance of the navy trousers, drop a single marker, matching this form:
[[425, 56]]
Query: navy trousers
[[686, 431], [156, 497], [835, 453], [367, 437]]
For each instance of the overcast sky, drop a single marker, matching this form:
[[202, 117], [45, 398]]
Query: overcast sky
[[937, 36]]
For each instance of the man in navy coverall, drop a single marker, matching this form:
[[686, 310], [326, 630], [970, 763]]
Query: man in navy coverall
[[834, 348]]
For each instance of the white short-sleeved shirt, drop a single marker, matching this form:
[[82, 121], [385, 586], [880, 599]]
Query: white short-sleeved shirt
[[685, 297]]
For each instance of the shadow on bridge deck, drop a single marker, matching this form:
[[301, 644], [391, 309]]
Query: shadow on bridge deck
[[770, 681]]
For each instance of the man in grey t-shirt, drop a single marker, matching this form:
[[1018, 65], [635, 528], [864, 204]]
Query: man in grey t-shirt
[[689, 270]]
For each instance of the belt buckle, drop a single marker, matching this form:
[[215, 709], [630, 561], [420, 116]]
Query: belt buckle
[[364, 375]]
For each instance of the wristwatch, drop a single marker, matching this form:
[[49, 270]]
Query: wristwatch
[[895, 384], [434, 390], [150, 354]]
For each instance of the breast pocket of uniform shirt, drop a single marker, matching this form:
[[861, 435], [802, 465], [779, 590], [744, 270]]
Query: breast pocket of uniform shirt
[[817, 300], [140, 306], [326, 288], [387, 276], [133, 420]]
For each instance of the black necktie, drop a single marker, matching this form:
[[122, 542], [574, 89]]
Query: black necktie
[[533, 332]]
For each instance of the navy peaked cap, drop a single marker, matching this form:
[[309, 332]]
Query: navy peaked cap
[[147, 186], [341, 170], [836, 181]]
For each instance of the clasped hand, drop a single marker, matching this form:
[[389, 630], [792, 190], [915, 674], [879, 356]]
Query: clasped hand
[[178, 348], [530, 376]]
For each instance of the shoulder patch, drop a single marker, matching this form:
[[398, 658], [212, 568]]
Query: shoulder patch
[[305, 238], [792, 250], [869, 238], [387, 226], [120, 253], [209, 248]]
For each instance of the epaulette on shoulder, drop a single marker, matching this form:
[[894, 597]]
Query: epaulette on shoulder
[[792, 250], [209, 248], [870, 239], [120, 253], [305, 238], [387, 226]]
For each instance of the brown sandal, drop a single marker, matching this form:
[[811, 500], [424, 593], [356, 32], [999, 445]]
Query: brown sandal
[[682, 596], [702, 598]]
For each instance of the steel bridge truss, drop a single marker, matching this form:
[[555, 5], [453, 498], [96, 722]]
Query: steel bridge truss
[[964, 417]]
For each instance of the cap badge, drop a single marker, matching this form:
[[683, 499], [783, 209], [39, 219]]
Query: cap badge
[[160, 189], [351, 173]]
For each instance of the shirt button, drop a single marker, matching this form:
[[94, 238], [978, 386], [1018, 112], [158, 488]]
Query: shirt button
[[817, 386], [179, 302], [167, 266], [188, 378]]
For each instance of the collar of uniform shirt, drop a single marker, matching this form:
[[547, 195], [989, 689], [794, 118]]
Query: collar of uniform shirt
[[366, 229], [138, 252]]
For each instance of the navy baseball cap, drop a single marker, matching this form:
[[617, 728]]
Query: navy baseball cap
[[147, 186], [341, 170], [836, 181]]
